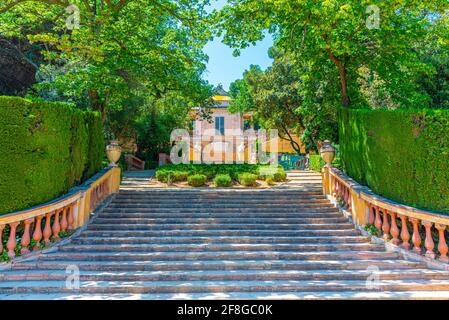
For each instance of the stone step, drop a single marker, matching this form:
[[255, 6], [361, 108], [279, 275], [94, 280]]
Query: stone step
[[214, 233], [199, 197], [238, 265], [223, 221], [138, 287], [233, 256], [206, 247], [220, 202], [214, 192], [222, 239], [218, 275], [215, 215], [225, 207], [324, 295], [217, 226]]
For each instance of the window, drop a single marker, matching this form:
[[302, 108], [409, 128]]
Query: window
[[219, 125]]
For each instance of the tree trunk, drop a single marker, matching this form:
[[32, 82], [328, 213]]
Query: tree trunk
[[345, 100], [293, 143], [97, 104]]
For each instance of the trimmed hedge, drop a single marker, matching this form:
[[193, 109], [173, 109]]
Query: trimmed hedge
[[402, 155], [223, 180], [96, 143], [197, 180], [247, 179], [47, 148]]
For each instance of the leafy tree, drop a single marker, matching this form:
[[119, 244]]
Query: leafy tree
[[121, 48], [343, 35], [282, 98]]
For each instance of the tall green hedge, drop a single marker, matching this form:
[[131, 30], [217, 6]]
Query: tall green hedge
[[44, 151], [96, 144], [400, 154]]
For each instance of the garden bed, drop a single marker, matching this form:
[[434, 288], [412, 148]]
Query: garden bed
[[219, 176]]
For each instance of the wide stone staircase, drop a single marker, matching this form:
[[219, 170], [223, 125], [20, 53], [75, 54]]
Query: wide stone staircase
[[220, 244]]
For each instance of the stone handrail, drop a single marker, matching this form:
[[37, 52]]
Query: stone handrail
[[65, 214], [403, 225], [134, 163]]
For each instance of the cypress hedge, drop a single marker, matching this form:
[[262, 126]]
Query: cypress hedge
[[402, 155], [46, 148]]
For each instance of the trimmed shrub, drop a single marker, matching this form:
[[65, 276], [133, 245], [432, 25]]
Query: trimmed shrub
[[247, 179], [179, 176], [162, 176], [280, 176], [44, 149], [270, 181], [400, 154], [223, 180], [197, 180]]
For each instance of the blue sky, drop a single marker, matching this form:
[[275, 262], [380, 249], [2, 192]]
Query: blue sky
[[223, 67]]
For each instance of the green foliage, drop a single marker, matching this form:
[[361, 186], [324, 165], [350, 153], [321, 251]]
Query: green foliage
[[79, 147], [316, 162], [371, 229], [280, 176], [279, 98], [96, 143], [334, 43], [270, 181], [223, 180], [197, 180], [247, 179], [210, 171], [44, 145], [402, 154], [163, 175], [105, 63], [179, 176]]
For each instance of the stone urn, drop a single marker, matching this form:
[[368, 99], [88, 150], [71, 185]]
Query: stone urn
[[113, 152], [327, 152]]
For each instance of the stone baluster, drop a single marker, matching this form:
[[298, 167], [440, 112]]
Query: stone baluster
[[12, 242], [386, 225], [378, 220], [370, 214], [405, 235], [64, 222], [47, 229], [2, 227], [442, 245], [26, 236], [428, 243], [37, 234], [349, 200], [70, 218], [416, 238], [394, 229], [56, 226], [334, 188]]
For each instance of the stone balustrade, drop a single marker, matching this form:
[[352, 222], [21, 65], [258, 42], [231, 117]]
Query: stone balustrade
[[44, 223], [421, 231]]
